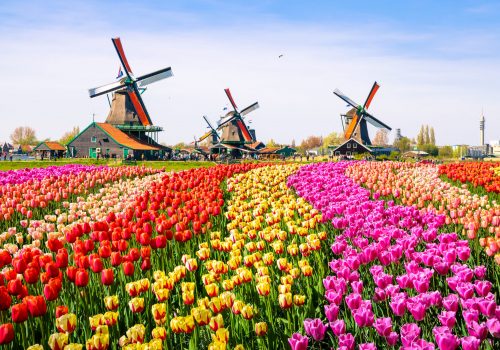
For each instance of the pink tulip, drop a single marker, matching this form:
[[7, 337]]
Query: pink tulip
[[338, 327], [315, 328], [493, 325], [470, 343], [450, 302], [417, 310], [347, 340], [383, 326], [448, 318], [410, 332], [331, 312], [298, 342]]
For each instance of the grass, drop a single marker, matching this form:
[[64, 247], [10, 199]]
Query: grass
[[168, 165]]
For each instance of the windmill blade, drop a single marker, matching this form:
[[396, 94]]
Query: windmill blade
[[208, 122], [244, 130], [106, 89], [375, 122], [228, 93], [372, 93], [250, 108], [154, 77], [121, 54], [351, 128], [345, 98], [136, 100], [231, 118], [207, 134]]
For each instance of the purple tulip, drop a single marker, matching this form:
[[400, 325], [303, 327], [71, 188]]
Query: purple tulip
[[383, 326], [338, 327], [470, 343], [410, 332], [470, 315], [416, 309], [331, 312], [363, 317], [298, 342], [448, 318], [480, 272], [482, 287], [398, 306], [493, 325], [347, 340], [315, 328], [446, 340], [367, 346], [478, 330], [392, 339], [450, 302], [353, 301]]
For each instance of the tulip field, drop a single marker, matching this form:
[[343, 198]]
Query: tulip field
[[343, 255]]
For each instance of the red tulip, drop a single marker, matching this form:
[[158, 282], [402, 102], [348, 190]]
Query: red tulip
[[107, 277], [61, 310], [146, 264], [14, 286], [81, 278], [128, 268], [116, 259], [97, 265], [71, 273], [6, 333], [50, 292], [19, 265], [19, 313], [36, 305], [5, 299]]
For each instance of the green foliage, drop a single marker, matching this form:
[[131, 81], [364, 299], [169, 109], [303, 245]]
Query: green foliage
[[446, 152], [431, 149], [70, 135], [403, 144]]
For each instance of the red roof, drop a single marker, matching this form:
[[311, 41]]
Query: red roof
[[55, 146], [124, 139]]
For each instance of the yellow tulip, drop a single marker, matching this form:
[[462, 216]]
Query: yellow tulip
[[247, 312], [98, 342], [112, 302], [261, 328], [201, 315], [159, 312], [66, 323], [58, 341], [136, 333], [159, 333], [216, 322], [136, 304]]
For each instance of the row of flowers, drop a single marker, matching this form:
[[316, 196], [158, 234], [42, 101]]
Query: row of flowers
[[477, 173], [45, 189], [419, 185], [396, 279]]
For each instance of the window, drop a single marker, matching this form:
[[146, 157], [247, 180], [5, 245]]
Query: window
[[348, 153], [337, 153], [93, 139], [348, 145], [354, 145]]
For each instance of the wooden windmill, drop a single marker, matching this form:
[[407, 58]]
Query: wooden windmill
[[128, 111], [233, 127], [212, 132], [354, 121]]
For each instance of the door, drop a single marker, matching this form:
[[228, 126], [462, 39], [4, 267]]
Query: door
[[92, 153], [125, 153]]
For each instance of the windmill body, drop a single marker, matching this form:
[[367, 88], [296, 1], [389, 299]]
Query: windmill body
[[234, 131], [355, 120]]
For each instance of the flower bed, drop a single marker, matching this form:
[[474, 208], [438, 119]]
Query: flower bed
[[396, 280]]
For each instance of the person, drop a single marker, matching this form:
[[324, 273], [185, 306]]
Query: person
[[10, 157], [142, 157]]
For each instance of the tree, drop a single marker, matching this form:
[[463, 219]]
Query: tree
[[427, 138], [23, 135], [446, 152], [180, 145], [381, 138], [433, 137], [333, 139], [293, 143], [403, 144], [271, 143], [431, 149], [311, 142], [420, 136], [69, 135]]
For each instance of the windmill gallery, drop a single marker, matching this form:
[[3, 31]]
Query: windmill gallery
[[129, 133]]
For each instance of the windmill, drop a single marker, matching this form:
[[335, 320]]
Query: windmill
[[234, 130], [354, 121], [212, 132], [128, 111]]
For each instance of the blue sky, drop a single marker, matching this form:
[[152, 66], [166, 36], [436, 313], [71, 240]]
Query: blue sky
[[437, 63]]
